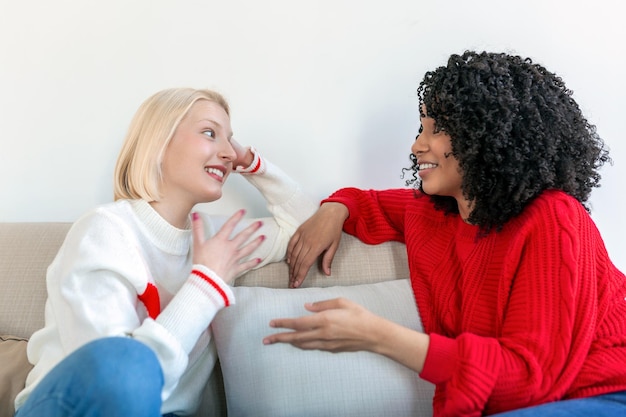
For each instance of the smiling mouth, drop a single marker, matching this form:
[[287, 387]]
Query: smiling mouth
[[421, 167], [214, 171]]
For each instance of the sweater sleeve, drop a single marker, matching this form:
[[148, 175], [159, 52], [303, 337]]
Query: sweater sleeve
[[549, 318], [286, 201], [375, 216]]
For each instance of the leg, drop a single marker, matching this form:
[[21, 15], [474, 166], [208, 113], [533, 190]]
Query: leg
[[110, 377], [607, 405]]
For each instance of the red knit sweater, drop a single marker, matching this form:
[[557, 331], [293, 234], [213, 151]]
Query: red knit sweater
[[532, 314]]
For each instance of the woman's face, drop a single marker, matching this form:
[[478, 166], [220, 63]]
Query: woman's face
[[438, 168], [199, 157]]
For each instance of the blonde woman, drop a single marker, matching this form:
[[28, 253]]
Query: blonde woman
[[137, 282]]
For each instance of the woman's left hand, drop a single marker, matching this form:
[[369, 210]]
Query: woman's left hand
[[338, 325], [244, 155]]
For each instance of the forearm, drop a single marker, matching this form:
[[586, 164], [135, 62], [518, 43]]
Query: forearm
[[289, 205], [401, 344], [286, 199], [375, 216]]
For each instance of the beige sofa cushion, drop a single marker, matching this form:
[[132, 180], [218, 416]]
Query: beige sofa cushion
[[13, 371], [23, 294]]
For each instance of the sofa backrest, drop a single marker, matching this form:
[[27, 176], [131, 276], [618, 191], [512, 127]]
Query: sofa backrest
[[354, 263], [26, 250]]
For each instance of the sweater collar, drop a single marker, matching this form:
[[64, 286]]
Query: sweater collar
[[165, 236]]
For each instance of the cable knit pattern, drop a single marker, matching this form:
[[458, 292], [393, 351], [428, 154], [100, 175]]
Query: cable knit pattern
[[532, 314]]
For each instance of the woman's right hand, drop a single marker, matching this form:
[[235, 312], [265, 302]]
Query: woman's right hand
[[223, 253], [321, 233]]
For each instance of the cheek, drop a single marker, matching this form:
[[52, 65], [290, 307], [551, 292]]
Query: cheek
[[457, 173]]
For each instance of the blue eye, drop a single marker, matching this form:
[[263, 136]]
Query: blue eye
[[209, 132]]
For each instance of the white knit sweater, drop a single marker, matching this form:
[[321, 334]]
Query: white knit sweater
[[125, 271]]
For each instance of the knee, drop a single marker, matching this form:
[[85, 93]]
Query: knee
[[120, 369]]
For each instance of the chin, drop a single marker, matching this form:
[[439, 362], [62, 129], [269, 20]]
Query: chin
[[213, 197]]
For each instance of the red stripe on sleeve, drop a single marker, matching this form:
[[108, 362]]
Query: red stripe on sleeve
[[257, 166], [213, 284]]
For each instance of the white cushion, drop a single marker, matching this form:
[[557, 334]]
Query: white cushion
[[281, 380]]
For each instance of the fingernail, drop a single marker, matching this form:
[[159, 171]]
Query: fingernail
[[258, 260], [194, 216], [263, 237]]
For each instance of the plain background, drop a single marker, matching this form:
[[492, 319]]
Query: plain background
[[324, 88]]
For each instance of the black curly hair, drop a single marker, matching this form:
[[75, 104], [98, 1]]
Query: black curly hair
[[516, 131]]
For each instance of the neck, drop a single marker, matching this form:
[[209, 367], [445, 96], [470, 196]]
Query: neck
[[175, 214], [465, 209]]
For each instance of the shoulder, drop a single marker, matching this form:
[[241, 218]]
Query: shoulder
[[557, 206], [105, 223], [552, 213]]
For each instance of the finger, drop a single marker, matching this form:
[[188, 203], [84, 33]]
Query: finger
[[284, 337], [327, 258], [293, 256], [294, 260], [292, 245], [247, 248], [301, 268], [246, 266], [227, 228], [304, 323], [236, 145], [330, 304], [197, 230], [242, 236]]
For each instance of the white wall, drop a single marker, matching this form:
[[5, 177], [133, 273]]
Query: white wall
[[326, 89]]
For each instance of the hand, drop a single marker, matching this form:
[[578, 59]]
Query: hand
[[244, 155], [338, 325], [223, 254], [321, 233], [341, 325]]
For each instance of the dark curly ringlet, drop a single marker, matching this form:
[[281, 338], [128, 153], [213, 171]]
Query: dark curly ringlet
[[516, 131]]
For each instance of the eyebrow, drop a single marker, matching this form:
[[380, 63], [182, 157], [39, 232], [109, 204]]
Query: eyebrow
[[210, 121]]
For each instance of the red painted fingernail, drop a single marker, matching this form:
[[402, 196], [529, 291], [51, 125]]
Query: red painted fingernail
[[194, 216]]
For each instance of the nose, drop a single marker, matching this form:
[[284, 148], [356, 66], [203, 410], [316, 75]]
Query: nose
[[226, 151], [419, 145]]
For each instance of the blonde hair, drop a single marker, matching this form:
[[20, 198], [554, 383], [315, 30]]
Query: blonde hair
[[138, 172]]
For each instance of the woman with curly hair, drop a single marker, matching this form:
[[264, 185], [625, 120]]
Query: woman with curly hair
[[523, 311]]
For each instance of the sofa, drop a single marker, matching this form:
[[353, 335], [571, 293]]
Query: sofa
[[249, 379]]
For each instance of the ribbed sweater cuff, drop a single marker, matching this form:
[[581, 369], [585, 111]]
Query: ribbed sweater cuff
[[257, 166], [196, 303], [440, 359]]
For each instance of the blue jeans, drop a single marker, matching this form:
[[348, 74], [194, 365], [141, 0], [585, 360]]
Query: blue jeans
[[109, 377], [607, 405]]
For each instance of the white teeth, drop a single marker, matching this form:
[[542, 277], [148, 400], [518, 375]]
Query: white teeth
[[426, 166], [214, 171]]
